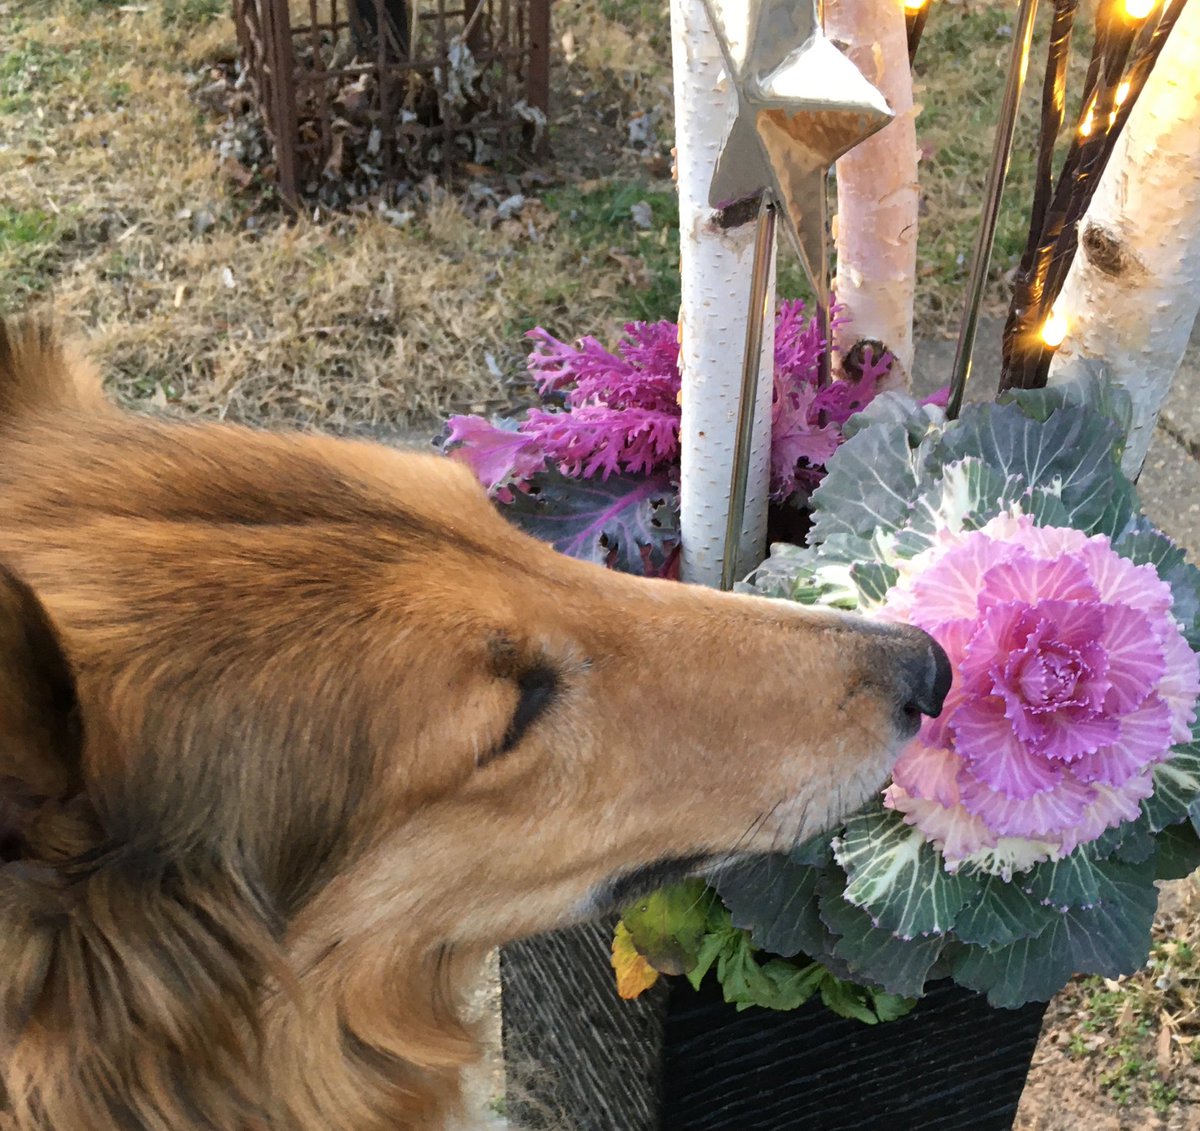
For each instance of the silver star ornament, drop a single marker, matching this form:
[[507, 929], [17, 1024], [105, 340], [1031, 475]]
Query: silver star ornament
[[801, 104]]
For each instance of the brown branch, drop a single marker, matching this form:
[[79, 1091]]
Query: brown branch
[[1122, 53], [915, 24]]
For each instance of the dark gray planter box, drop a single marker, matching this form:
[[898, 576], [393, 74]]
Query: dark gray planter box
[[677, 1060]]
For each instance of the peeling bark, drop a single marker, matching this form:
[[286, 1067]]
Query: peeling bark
[[715, 268], [877, 188], [1133, 291]]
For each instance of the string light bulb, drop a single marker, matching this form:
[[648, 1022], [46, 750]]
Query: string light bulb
[[1139, 9], [1089, 121], [913, 6], [1054, 330]]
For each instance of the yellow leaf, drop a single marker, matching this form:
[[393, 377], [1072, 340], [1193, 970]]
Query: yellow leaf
[[634, 974]]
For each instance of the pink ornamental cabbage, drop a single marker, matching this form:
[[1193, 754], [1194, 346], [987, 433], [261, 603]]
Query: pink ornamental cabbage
[[1072, 681], [621, 411]]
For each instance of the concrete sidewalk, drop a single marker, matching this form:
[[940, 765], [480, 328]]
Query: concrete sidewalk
[[1170, 481]]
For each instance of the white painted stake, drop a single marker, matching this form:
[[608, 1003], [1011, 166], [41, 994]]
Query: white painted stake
[[715, 267], [1133, 290], [877, 188]]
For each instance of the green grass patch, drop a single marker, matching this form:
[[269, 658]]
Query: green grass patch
[[604, 221], [22, 229], [29, 241], [960, 74], [27, 69], [600, 221], [91, 7], [192, 13], [117, 93], [648, 18], [34, 74], [1120, 1023], [1118, 1035], [790, 280]]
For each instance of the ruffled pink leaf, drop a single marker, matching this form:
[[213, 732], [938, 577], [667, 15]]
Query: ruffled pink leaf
[[1136, 663], [929, 772], [1110, 806], [1180, 685], [1143, 738], [1121, 582], [1071, 734], [993, 753], [598, 441], [1029, 579], [496, 456], [1041, 816], [949, 589]]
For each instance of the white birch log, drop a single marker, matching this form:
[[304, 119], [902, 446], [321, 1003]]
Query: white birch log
[[1133, 290], [715, 269], [877, 194]]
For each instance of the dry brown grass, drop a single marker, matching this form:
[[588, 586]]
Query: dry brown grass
[[345, 322], [197, 295]]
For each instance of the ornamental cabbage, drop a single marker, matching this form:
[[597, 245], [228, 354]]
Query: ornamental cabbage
[[1072, 680]]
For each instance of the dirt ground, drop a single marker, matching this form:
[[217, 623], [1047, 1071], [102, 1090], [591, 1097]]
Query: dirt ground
[[1125, 1055]]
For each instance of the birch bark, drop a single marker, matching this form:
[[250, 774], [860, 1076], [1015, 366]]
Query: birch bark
[[877, 194], [1133, 291], [715, 272]]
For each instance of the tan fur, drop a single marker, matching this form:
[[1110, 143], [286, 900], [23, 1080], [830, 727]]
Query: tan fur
[[254, 825]]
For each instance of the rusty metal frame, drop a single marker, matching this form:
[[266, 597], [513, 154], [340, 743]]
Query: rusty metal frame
[[297, 52]]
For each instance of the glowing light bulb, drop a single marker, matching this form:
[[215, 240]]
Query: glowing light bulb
[[1122, 92], [1054, 330], [1139, 9], [1089, 121], [914, 5]]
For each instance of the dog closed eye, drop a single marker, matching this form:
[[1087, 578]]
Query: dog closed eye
[[539, 687]]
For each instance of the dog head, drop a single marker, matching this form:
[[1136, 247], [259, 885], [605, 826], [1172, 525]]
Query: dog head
[[290, 719]]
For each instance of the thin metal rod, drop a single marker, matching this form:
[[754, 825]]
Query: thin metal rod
[[823, 283], [825, 292], [1001, 148], [743, 441]]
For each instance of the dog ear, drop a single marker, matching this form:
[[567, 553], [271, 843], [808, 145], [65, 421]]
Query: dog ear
[[39, 714], [130, 981], [38, 373]]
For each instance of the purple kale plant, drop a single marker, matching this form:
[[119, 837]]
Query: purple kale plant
[[615, 413], [608, 414]]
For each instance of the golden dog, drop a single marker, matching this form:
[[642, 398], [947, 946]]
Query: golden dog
[[294, 729]]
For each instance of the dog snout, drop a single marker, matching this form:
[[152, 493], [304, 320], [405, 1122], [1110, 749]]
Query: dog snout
[[924, 676]]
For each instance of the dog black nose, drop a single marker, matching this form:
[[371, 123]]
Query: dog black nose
[[925, 679]]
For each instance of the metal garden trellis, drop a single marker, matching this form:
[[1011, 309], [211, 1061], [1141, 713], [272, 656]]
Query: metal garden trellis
[[415, 85]]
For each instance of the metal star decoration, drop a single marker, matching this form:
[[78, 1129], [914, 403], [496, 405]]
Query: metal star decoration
[[801, 104]]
